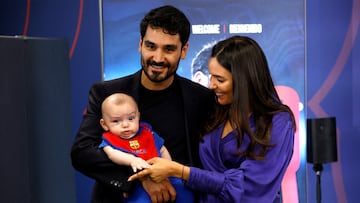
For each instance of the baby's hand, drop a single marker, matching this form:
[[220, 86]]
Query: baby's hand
[[138, 164]]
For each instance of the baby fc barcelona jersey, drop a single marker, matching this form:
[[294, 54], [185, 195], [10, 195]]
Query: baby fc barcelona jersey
[[143, 144]]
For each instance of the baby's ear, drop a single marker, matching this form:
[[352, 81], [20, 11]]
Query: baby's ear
[[103, 125]]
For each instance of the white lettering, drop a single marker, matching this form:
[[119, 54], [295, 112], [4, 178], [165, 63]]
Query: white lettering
[[206, 29], [245, 28]]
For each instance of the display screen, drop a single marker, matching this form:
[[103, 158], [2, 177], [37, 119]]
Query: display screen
[[278, 26]]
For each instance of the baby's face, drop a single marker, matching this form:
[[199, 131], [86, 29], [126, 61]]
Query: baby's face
[[122, 120]]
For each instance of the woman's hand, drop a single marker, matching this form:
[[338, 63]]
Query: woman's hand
[[159, 170]]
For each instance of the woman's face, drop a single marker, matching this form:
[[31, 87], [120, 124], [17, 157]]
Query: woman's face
[[221, 82]]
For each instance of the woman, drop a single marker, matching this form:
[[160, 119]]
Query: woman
[[249, 141]]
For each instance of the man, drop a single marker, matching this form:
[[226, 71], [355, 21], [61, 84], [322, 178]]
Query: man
[[199, 65], [176, 107]]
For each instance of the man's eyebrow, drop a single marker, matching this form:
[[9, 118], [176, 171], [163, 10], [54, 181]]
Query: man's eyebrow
[[148, 42], [168, 46], [171, 46]]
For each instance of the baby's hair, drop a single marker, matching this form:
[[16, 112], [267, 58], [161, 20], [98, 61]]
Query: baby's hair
[[118, 99]]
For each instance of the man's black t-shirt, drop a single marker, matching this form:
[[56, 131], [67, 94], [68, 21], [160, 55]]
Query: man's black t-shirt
[[164, 110]]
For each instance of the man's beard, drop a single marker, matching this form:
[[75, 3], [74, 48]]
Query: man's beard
[[155, 76]]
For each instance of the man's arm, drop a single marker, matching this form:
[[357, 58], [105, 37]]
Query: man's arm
[[92, 161]]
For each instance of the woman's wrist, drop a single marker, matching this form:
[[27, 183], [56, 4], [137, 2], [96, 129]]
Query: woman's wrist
[[181, 171], [186, 173]]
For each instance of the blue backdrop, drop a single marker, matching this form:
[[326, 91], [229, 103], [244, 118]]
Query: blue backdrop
[[331, 76]]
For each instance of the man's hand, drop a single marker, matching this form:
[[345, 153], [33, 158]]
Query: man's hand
[[159, 192]]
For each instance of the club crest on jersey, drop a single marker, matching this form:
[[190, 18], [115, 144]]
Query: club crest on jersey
[[134, 144]]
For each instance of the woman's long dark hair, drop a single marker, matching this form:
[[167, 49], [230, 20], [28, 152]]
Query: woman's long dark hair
[[253, 92]]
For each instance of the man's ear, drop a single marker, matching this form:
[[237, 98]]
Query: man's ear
[[140, 42], [201, 78], [184, 50]]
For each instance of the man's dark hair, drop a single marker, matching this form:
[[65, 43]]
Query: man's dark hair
[[170, 19]]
